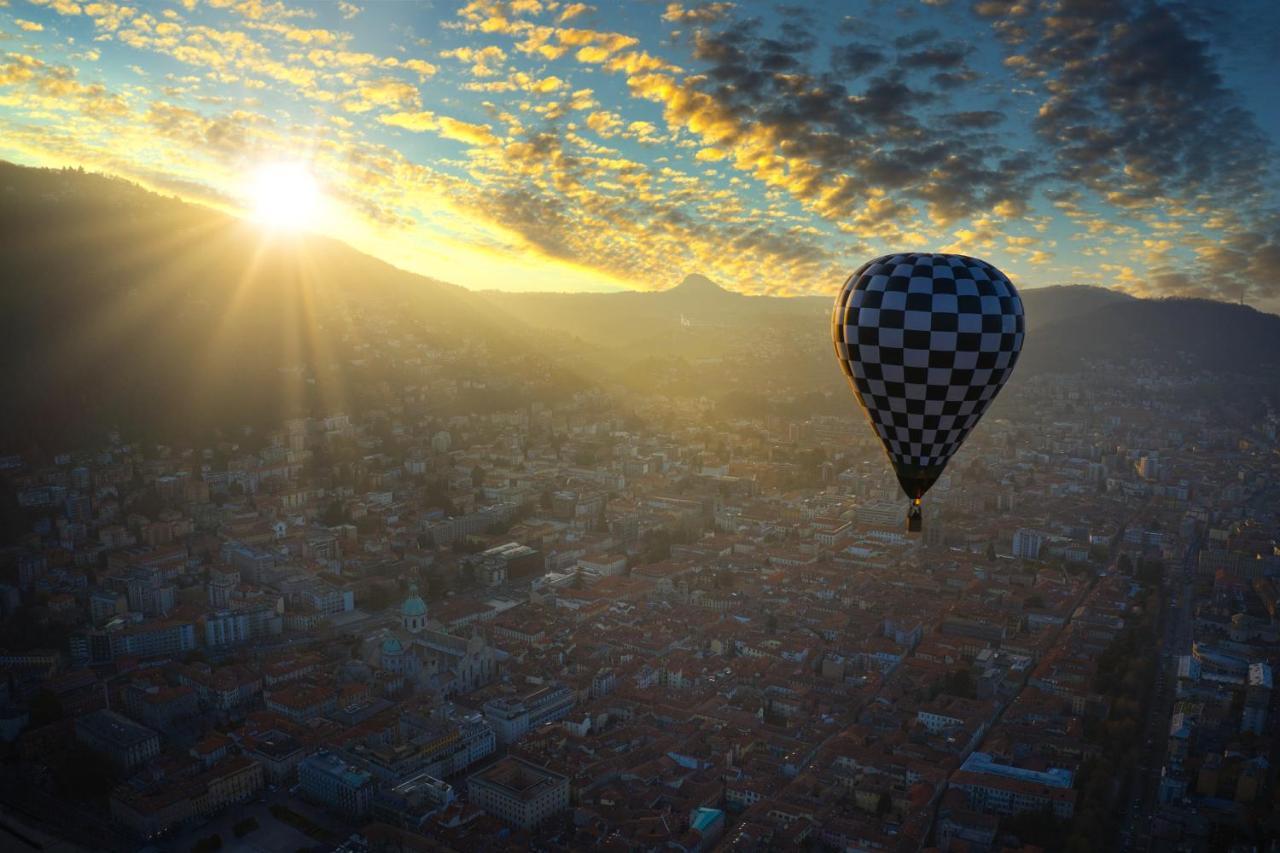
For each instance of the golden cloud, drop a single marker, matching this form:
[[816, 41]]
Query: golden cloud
[[62, 7], [482, 60]]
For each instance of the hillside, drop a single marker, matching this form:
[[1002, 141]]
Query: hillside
[[762, 354], [1187, 335], [122, 308]]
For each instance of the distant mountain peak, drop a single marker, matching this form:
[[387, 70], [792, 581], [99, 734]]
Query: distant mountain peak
[[696, 284]]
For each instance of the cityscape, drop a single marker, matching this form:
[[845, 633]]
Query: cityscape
[[501, 491], [609, 622]]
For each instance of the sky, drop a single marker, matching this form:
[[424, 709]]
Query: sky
[[544, 145]]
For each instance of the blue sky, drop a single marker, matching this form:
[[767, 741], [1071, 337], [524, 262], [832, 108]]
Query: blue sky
[[546, 145]]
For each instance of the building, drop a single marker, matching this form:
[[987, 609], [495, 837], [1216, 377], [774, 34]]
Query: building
[[105, 604], [519, 792], [249, 562], [511, 717], [302, 702], [994, 788], [511, 561], [147, 639], [222, 583], [242, 624], [412, 803], [277, 752], [1027, 543], [428, 657], [159, 707], [881, 513], [1257, 699], [164, 805], [327, 780], [125, 743]]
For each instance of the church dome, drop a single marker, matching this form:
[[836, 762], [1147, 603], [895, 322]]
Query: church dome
[[391, 646], [413, 605]]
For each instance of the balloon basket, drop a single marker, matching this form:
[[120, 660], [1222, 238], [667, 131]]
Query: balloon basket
[[915, 523]]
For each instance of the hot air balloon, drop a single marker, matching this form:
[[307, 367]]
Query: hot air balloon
[[926, 341]]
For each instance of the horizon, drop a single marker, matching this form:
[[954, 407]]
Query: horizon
[[496, 145], [248, 219]]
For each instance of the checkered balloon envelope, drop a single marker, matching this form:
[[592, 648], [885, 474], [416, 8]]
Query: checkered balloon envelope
[[926, 341]]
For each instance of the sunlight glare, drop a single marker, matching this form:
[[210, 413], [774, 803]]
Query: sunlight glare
[[284, 195]]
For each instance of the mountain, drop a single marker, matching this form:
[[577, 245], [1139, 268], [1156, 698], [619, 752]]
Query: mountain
[[626, 318], [1046, 306], [1183, 335], [122, 308], [698, 288]]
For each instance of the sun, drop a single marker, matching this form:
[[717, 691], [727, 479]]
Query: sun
[[284, 195]]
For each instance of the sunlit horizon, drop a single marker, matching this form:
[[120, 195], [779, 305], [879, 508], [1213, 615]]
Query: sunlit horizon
[[545, 146]]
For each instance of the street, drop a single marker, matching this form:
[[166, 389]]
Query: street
[[1175, 641]]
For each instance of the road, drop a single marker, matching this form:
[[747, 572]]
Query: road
[[1175, 641]]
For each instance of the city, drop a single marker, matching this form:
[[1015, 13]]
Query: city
[[692, 426], [605, 624]]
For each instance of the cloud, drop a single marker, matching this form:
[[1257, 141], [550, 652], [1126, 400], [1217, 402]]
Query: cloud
[[55, 88], [383, 92], [482, 59], [423, 68], [445, 126], [573, 10], [854, 59], [703, 13], [462, 131], [29, 26], [604, 123], [1136, 114], [419, 121], [62, 7], [763, 145], [778, 114], [108, 15], [947, 56], [300, 35]]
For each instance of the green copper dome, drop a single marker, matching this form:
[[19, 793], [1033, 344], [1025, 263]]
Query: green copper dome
[[413, 605]]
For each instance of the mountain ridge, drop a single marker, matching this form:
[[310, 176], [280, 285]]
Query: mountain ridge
[[120, 307]]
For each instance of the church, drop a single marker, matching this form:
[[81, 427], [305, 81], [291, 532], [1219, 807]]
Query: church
[[427, 655]]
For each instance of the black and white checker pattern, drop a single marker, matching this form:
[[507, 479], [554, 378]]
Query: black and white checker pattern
[[926, 341]]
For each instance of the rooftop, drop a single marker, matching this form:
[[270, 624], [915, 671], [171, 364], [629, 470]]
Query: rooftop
[[112, 727], [1054, 777], [518, 778]]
